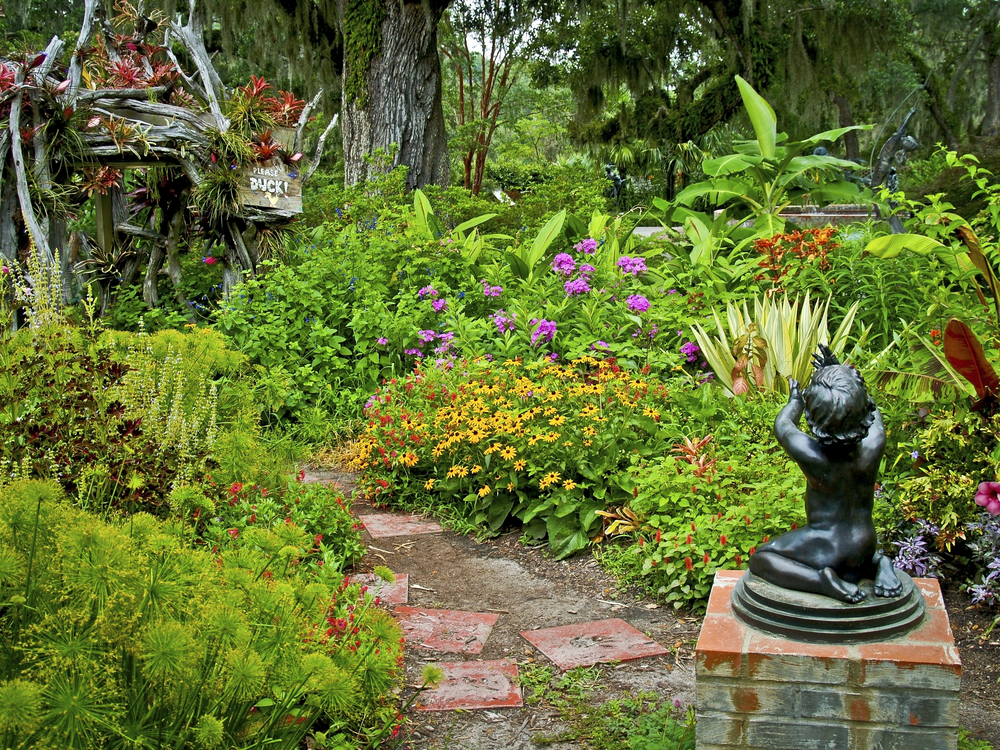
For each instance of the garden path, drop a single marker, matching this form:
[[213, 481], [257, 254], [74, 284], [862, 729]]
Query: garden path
[[494, 591]]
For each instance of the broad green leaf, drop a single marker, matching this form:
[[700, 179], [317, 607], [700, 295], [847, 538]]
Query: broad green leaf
[[840, 191], [422, 209], [730, 164], [831, 135], [545, 238], [891, 245], [465, 226], [718, 191], [762, 116], [518, 266]]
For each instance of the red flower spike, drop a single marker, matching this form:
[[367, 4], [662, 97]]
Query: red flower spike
[[706, 558], [722, 540], [688, 564]]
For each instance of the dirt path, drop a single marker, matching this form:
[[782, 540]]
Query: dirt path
[[528, 591]]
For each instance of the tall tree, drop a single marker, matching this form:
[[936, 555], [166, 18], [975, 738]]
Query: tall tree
[[487, 43], [392, 87], [381, 54], [678, 60]]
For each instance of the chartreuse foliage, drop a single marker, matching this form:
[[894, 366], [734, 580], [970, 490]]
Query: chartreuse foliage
[[539, 442], [121, 636]]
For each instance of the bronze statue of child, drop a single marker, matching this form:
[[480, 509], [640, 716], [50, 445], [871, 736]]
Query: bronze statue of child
[[838, 548]]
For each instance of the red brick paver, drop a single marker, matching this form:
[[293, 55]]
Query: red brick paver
[[590, 643], [445, 630], [383, 525], [472, 685]]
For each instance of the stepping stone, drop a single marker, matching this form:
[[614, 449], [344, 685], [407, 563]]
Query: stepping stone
[[474, 684], [588, 643], [383, 525], [388, 593], [446, 630]]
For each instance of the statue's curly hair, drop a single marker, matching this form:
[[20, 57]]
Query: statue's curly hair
[[838, 408]]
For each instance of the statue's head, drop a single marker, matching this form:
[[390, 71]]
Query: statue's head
[[838, 408]]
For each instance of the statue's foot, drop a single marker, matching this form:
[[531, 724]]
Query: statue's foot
[[887, 583], [837, 588]]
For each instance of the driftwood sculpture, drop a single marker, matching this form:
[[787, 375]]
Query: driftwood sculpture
[[217, 167]]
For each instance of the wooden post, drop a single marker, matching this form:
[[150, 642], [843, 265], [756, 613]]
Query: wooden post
[[105, 222]]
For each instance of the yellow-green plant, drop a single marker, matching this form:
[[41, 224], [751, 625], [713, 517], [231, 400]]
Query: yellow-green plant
[[787, 332], [122, 636]]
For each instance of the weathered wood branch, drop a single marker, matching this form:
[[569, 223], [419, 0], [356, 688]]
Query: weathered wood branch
[[146, 234], [39, 235], [320, 145], [139, 94], [75, 72], [300, 126], [192, 37]]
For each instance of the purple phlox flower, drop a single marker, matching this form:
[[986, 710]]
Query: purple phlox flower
[[503, 321], [427, 290], [4, 270], [382, 341], [413, 352], [587, 246], [439, 305], [653, 331], [370, 403], [564, 263], [672, 291], [690, 350], [637, 303], [634, 266], [544, 331], [600, 345], [586, 269], [988, 496], [491, 291], [489, 357], [426, 337], [576, 286], [553, 357]]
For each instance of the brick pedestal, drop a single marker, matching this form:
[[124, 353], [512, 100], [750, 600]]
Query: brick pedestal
[[757, 692]]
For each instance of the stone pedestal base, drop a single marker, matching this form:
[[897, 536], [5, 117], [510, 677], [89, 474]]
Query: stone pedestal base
[[761, 692]]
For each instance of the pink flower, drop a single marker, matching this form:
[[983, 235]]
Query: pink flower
[[988, 496], [209, 260]]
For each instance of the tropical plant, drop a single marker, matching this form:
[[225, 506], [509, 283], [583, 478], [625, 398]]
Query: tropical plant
[[777, 342]]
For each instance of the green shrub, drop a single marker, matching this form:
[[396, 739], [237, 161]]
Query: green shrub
[[312, 518], [118, 636]]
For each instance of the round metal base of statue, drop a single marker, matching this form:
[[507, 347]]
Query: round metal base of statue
[[819, 619]]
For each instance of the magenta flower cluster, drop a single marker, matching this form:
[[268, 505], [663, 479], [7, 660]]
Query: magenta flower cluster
[[427, 291], [503, 321], [690, 350], [637, 303], [634, 266], [587, 246], [564, 263], [439, 305], [491, 291], [545, 331], [574, 287]]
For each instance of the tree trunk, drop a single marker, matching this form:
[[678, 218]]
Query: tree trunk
[[401, 101], [851, 145], [991, 122]]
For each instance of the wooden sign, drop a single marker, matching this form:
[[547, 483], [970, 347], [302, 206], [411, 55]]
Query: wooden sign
[[272, 184]]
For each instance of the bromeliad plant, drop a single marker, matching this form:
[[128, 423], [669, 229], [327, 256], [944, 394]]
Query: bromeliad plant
[[540, 443], [776, 343]]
